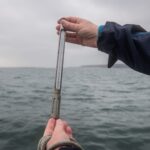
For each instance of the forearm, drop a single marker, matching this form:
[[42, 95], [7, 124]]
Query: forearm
[[128, 43]]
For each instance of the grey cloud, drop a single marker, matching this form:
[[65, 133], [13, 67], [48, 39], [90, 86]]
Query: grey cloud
[[28, 36]]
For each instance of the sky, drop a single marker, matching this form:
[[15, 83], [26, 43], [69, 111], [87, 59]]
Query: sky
[[28, 36]]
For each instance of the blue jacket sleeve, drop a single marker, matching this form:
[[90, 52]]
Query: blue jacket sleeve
[[128, 43]]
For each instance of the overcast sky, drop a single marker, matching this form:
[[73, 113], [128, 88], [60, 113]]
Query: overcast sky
[[27, 29]]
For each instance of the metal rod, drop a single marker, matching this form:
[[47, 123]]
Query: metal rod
[[58, 76]]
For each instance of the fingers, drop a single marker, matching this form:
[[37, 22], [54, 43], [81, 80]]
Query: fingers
[[70, 19], [57, 125], [63, 126], [69, 131], [73, 38], [68, 26], [50, 127], [71, 35], [61, 132]]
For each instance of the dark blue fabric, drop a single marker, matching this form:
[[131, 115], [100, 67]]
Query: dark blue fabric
[[128, 43]]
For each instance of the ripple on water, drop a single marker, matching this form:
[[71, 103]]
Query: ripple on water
[[108, 109]]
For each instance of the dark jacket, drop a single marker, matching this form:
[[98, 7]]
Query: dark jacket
[[128, 43]]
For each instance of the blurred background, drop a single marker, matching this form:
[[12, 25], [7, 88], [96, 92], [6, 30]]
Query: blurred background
[[107, 108]]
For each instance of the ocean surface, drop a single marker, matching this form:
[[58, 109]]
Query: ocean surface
[[108, 109]]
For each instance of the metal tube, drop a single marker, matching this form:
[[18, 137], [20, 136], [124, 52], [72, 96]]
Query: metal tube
[[58, 76]]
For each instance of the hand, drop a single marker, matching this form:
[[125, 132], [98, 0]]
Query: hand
[[79, 31], [60, 131]]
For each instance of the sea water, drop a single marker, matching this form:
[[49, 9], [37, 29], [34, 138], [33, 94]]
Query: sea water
[[108, 109]]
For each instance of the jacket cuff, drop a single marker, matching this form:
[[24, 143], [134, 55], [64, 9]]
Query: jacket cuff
[[112, 59], [102, 42], [100, 29]]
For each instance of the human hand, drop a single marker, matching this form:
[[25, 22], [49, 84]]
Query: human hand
[[79, 31], [60, 131]]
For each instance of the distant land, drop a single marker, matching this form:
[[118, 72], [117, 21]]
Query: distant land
[[105, 66], [96, 65]]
